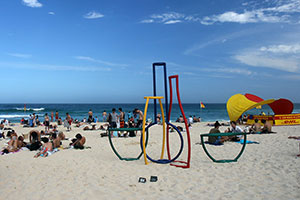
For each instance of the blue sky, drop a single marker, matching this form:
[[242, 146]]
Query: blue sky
[[88, 51]]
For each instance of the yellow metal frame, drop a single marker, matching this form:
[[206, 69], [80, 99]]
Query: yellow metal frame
[[144, 127]]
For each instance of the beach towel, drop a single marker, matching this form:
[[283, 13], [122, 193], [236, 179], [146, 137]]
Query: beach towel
[[247, 142], [215, 144], [50, 152]]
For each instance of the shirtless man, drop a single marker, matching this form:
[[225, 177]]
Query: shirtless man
[[267, 126], [61, 135], [55, 140], [90, 119], [52, 115], [256, 127], [46, 122], [34, 136], [78, 142], [46, 149], [141, 116], [104, 116], [20, 142], [69, 120], [56, 116]]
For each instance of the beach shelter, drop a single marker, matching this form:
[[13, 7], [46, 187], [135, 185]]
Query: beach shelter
[[239, 103]]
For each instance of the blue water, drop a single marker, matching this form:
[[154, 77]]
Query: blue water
[[212, 112]]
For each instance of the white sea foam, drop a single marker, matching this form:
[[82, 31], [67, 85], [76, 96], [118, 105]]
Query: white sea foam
[[34, 109], [12, 116]]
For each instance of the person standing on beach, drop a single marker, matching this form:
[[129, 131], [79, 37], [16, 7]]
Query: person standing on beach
[[33, 120], [104, 116], [140, 115], [114, 118], [56, 116], [46, 122], [90, 119], [122, 118], [68, 121], [52, 116]]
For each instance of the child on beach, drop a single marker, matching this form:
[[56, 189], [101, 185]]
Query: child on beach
[[296, 138]]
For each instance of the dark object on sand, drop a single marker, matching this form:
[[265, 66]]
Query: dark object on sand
[[142, 180], [153, 178]]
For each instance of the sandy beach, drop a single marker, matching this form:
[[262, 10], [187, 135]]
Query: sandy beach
[[268, 170]]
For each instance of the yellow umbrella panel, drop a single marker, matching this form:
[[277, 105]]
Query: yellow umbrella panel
[[238, 104]]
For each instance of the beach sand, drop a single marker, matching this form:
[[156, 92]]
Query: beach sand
[[268, 170]]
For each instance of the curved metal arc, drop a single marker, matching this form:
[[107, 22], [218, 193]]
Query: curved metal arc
[[117, 153], [224, 160]]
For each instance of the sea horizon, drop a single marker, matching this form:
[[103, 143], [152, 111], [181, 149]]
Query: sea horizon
[[211, 112]]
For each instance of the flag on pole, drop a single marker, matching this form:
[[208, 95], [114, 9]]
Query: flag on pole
[[202, 105]]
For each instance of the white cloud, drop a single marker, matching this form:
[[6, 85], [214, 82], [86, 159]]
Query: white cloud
[[19, 55], [165, 18], [280, 11], [294, 48], [51, 13], [263, 60], [147, 21], [246, 17], [100, 61], [93, 15], [172, 21], [32, 3]]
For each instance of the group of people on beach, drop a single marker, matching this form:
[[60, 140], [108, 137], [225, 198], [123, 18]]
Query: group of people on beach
[[47, 142], [256, 128]]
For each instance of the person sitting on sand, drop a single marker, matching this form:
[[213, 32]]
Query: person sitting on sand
[[20, 142], [256, 127], [267, 128], [55, 140], [47, 148], [61, 135], [296, 138], [78, 141], [234, 129], [216, 139], [59, 121], [34, 140], [12, 145]]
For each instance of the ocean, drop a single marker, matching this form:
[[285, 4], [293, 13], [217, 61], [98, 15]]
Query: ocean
[[211, 112]]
